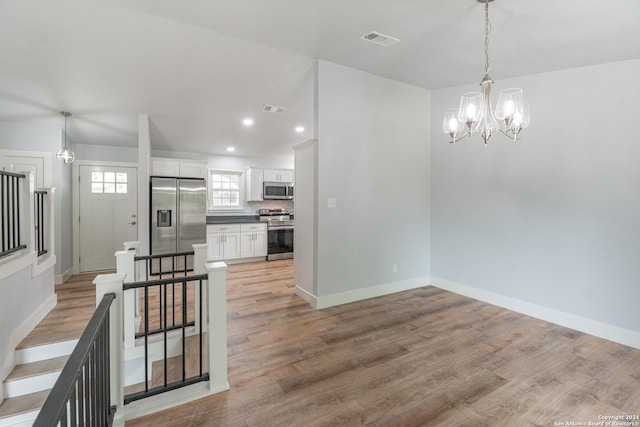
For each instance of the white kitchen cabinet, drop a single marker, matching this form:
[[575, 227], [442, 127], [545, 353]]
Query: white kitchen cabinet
[[253, 181], [178, 168], [190, 169], [278, 175], [253, 240], [223, 241]]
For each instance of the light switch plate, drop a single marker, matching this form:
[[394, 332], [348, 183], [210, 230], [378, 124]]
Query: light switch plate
[[331, 202]]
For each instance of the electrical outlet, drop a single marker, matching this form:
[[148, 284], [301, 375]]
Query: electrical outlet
[[394, 268]]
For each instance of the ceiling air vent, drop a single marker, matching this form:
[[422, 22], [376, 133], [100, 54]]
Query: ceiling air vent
[[273, 109], [379, 38]]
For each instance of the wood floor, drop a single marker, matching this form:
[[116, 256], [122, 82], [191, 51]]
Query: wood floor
[[425, 357], [76, 304]]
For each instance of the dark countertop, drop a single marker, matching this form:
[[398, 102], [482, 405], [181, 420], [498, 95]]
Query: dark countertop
[[232, 219]]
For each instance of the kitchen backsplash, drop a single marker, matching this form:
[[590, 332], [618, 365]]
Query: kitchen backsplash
[[251, 208]]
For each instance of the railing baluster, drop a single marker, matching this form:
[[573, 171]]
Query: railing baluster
[[80, 396], [10, 212], [146, 339], [200, 321]]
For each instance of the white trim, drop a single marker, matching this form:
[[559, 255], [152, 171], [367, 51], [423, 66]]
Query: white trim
[[61, 278], [75, 195], [307, 296], [16, 262], [326, 301], [591, 327], [40, 266], [303, 144]]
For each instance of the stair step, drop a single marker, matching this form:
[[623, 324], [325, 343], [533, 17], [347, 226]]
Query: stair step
[[23, 409], [44, 352], [32, 377]]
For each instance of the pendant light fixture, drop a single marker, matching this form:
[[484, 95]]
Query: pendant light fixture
[[65, 155], [476, 114]]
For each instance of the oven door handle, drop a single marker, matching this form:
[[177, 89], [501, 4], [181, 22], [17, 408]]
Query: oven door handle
[[284, 227]]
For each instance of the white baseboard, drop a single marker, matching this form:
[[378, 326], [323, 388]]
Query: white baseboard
[[61, 278], [307, 296], [326, 301], [592, 327]]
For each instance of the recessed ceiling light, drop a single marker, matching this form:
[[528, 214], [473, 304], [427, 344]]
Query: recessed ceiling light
[[299, 129], [247, 122], [231, 149]]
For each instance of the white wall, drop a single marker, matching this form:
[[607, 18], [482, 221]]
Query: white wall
[[22, 296], [106, 153], [553, 220], [373, 158]]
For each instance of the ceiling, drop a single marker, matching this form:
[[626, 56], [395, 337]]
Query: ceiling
[[199, 67]]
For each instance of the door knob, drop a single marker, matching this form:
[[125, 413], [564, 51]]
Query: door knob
[[133, 223]]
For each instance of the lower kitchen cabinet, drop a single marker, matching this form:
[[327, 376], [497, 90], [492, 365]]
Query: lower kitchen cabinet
[[223, 242], [253, 241], [232, 241]]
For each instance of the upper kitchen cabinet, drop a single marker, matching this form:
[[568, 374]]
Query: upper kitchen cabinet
[[178, 168], [256, 177], [278, 175]]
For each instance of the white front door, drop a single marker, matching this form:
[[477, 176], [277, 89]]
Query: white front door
[[108, 214]]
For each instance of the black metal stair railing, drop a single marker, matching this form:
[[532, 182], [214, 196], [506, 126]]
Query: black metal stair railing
[[40, 220], [10, 213], [82, 394]]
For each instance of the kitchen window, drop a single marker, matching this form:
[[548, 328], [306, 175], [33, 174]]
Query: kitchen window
[[225, 190]]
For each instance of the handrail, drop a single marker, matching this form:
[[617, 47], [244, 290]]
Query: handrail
[[91, 401], [176, 254]]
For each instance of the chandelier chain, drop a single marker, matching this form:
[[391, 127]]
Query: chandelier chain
[[487, 30]]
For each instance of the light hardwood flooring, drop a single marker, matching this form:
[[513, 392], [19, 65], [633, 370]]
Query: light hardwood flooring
[[424, 357], [69, 318], [416, 358]]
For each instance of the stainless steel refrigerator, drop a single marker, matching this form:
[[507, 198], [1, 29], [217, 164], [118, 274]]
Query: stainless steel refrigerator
[[178, 214]]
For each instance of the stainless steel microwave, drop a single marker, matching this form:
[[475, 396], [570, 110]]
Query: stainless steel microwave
[[278, 190]]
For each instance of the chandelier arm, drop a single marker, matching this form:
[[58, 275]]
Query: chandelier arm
[[456, 139]]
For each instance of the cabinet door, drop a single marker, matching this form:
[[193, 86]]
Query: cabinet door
[[246, 245], [260, 244], [231, 245], [272, 175], [286, 176], [254, 179], [193, 169], [165, 167], [278, 175], [215, 249]]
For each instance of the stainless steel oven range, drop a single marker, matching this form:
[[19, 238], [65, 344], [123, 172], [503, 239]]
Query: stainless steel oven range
[[279, 233]]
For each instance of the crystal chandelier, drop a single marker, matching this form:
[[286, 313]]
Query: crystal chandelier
[[65, 155], [476, 114]]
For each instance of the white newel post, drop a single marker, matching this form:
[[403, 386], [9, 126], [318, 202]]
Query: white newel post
[[199, 261], [134, 246], [125, 266], [217, 272], [112, 283]]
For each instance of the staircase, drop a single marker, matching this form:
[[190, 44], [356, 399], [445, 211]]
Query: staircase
[[41, 356]]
